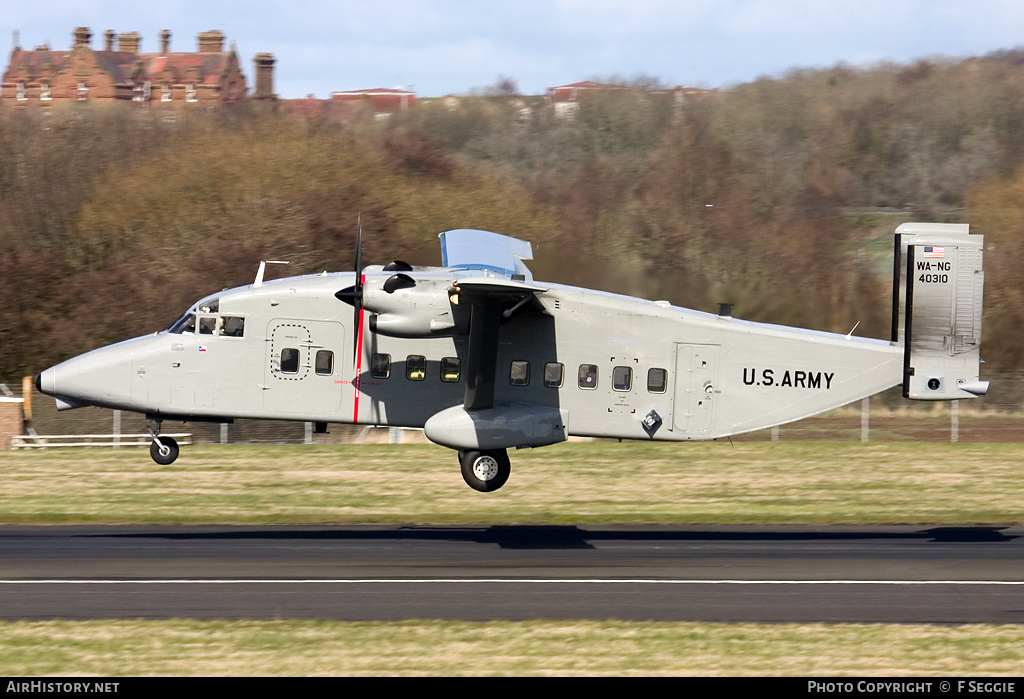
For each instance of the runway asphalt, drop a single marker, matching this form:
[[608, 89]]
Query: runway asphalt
[[670, 573]]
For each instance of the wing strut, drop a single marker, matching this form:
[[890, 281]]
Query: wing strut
[[492, 300], [481, 364]]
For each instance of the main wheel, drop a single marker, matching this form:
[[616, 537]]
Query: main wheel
[[485, 471], [165, 452]]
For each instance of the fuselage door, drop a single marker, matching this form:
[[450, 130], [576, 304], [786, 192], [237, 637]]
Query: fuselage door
[[696, 387], [302, 373]]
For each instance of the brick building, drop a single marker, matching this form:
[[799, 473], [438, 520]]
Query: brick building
[[120, 73]]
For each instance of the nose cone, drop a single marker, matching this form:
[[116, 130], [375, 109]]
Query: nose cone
[[101, 377]]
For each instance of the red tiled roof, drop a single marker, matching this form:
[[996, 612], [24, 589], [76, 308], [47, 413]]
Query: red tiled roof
[[119, 65]]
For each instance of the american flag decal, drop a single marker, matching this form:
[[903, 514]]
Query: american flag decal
[[934, 252]]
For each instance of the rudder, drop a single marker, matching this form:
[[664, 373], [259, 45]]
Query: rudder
[[938, 282]]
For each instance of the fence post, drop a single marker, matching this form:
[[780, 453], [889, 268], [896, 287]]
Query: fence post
[[954, 426], [117, 428], [865, 411], [223, 433]]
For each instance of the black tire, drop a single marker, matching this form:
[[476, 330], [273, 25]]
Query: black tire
[[168, 454], [485, 471]]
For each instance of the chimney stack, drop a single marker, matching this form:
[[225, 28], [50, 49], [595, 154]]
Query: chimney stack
[[264, 76], [108, 44], [211, 42], [129, 42], [82, 36], [165, 41]]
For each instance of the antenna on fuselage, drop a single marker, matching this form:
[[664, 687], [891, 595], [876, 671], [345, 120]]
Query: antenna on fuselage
[[263, 268]]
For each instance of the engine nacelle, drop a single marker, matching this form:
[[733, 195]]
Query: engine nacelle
[[404, 307]]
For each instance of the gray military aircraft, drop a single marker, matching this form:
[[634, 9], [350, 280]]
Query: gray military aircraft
[[483, 358]]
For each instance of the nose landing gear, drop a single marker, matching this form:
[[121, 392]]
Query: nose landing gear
[[164, 450]]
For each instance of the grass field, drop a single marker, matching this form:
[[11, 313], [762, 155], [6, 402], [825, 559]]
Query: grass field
[[592, 483], [583, 483]]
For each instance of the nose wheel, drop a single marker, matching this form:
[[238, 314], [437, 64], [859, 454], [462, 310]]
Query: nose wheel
[[485, 471], [164, 450]]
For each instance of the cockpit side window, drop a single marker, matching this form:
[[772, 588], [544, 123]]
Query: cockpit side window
[[232, 326], [207, 325]]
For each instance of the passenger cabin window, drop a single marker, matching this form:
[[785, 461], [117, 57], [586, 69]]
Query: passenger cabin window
[[380, 366], [622, 378], [289, 361], [519, 373], [553, 373], [450, 369], [657, 380], [415, 367], [588, 376], [324, 362]]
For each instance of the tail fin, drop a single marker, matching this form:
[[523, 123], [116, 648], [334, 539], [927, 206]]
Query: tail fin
[[937, 297]]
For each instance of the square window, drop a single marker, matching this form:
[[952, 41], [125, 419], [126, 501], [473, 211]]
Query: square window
[[232, 326], [657, 380], [450, 368], [519, 373], [380, 366], [207, 325], [588, 376], [622, 378], [324, 362], [553, 373], [289, 361], [415, 367]]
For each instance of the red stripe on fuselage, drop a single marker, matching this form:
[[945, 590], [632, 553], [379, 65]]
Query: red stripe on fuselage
[[359, 359]]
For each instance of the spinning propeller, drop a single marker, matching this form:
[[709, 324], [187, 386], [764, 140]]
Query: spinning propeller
[[355, 294]]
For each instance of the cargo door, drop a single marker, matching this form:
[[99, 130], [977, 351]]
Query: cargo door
[[695, 388]]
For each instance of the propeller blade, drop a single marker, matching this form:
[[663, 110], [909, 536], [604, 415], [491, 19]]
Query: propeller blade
[[357, 296]]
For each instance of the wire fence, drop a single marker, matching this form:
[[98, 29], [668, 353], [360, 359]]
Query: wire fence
[[886, 417]]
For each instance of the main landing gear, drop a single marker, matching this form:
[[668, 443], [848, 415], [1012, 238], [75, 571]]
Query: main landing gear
[[164, 450], [485, 471]]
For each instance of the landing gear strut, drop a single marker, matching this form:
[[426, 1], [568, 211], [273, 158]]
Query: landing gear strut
[[164, 450], [485, 471]]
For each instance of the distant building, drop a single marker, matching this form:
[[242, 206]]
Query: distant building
[[208, 77], [565, 99], [379, 101]]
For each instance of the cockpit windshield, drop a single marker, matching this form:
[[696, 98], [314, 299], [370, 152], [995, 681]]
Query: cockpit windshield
[[185, 324], [205, 319]]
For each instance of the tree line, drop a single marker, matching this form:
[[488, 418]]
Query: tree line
[[779, 196]]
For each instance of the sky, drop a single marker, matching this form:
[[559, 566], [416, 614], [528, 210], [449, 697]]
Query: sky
[[440, 47]]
